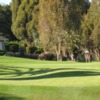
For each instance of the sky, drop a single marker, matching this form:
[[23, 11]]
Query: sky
[[7, 1]]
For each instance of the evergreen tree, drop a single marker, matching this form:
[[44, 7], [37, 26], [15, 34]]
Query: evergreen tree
[[14, 7], [25, 19], [5, 22]]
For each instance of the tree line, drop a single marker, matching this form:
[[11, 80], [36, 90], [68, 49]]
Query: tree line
[[59, 26]]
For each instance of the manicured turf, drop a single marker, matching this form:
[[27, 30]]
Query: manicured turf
[[27, 79]]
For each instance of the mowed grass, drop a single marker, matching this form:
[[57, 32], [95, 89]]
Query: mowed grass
[[27, 79]]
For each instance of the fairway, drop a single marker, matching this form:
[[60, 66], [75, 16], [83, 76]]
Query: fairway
[[28, 79]]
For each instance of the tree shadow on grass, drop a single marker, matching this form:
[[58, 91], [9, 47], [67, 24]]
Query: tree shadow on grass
[[18, 71], [9, 97], [14, 73]]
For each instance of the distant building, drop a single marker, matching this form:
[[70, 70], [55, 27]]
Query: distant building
[[2, 39]]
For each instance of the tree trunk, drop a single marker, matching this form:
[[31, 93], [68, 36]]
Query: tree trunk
[[97, 54], [72, 57], [58, 52], [59, 56]]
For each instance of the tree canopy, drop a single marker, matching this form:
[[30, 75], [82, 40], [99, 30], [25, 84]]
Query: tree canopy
[[57, 25], [24, 18], [5, 22], [91, 28]]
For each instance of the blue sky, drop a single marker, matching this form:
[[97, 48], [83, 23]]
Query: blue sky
[[7, 1]]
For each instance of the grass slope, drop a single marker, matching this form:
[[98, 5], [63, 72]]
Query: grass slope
[[27, 79]]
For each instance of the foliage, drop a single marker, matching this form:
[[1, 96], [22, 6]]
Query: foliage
[[22, 55], [49, 56], [59, 24], [12, 46], [91, 29], [2, 52], [95, 17], [24, 18], [39, 50], [28, 50], [81, 57], [5, 22], [31, 50], [46, 56]]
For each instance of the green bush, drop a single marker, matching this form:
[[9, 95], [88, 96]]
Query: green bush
[[46, 56], [33, 49], [38, 51], [93, 57], [81, 57], [14, 48], [7, 44], [2, 52]]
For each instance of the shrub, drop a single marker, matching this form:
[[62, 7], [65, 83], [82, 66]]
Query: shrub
[[11, 46], [33, 49], [30, 50], [80, 57], [7, 45], [31, 56], [39, 51], [49, 56], [93, 56], [13, 54], [14, 48], [41, 56], [2, 52], [46, 56], [21, 51]]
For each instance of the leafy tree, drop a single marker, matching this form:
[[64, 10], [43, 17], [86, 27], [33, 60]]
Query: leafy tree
[[59, 24], [91, 28], [25, 19], [95, 17], [5, 22], [94, 13]]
